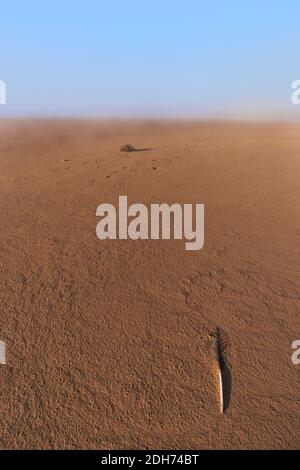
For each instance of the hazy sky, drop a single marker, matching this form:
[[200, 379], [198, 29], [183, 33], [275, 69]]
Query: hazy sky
[[150, 57]]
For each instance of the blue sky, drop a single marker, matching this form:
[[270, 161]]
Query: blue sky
[[154, 58]]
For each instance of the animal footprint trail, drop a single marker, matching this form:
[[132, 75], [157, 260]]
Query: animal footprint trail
[[224, 369]]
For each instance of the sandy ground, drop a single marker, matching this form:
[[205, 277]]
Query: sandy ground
[[110, 344]]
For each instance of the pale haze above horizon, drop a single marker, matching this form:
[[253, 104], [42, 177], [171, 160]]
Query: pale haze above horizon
[[159, 59]]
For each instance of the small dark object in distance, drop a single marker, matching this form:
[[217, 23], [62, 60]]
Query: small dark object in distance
[[128, 148]]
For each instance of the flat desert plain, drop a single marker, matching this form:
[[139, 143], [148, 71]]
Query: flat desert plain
[[112, 344]]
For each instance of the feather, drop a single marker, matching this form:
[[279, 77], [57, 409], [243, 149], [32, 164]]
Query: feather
[[224, 369]]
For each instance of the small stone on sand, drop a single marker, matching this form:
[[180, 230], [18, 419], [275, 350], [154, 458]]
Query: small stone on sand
[[128, 148]]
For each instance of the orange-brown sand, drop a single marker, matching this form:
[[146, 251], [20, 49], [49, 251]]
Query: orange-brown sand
[[112, 344]]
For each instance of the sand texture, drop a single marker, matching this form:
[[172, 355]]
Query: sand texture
[[112, 344]]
